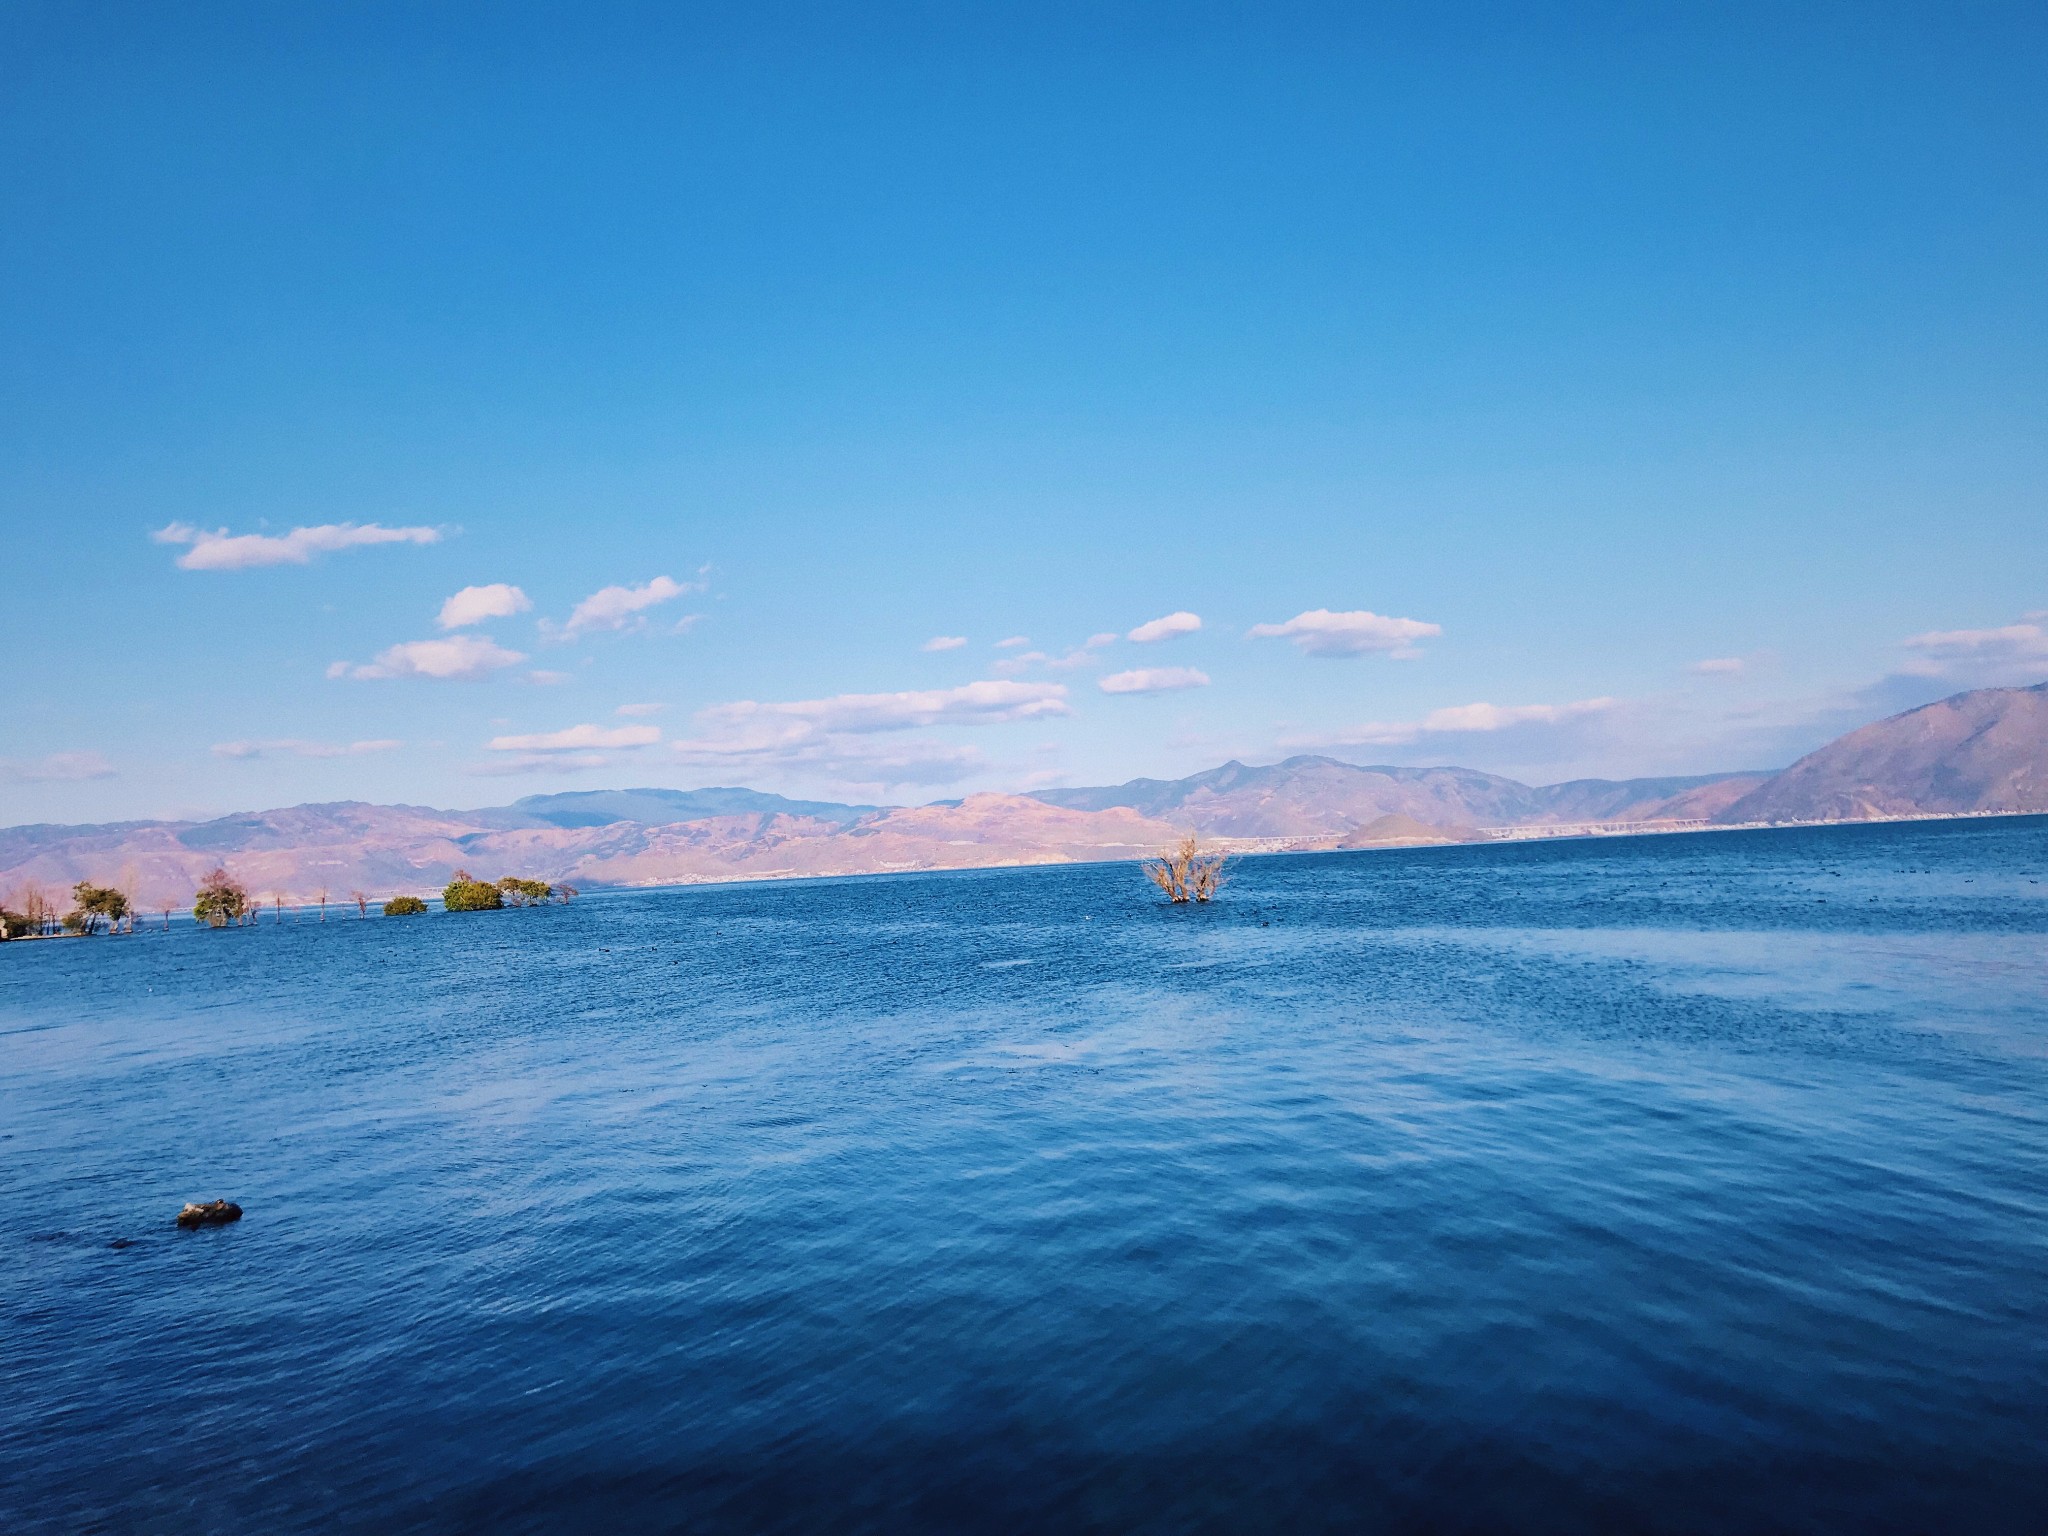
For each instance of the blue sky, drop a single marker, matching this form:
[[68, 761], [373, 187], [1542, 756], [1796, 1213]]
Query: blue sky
[[1679, 381]]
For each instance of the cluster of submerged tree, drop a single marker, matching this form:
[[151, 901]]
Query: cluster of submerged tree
[[95, 909], [223, 901]]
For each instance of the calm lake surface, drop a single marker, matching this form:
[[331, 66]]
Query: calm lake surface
[[1685, 1183]]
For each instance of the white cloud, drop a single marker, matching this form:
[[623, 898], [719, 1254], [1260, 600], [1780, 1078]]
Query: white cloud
[[2007, 656], [580, 738], [1153, 680], [619, 607], [639, 711], [223, 551], [1182, 623], [944, 643], [1097, 642], [1718, 666], [1010, 666], [545, 677], [1464, 719], [472, 605], [57, 768], [1013, 642], [1319, 632], [293, 747], [2010, 642], [458, 657]]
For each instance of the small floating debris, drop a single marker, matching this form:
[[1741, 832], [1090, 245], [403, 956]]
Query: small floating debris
[[214, 1213]]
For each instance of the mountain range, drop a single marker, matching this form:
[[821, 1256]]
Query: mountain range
[[1984, 751]]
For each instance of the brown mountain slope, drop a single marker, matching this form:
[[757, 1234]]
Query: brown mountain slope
[[389, 850], [1312, 797], [1981, 751]]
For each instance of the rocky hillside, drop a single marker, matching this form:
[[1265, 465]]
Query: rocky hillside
[[1981, 751], [1308, 797]]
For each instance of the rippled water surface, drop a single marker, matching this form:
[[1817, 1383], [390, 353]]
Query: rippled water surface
[[1682, 1183]]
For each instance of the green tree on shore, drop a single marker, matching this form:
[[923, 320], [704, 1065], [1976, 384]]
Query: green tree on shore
[[99, 907]]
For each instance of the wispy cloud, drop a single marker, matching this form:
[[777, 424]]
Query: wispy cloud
[[1461, 719], [2009, 642], [220, 550], [57, 768], [290, 746], [1153, 680], [1097, 642], [835, 736], [1949, 660], [1718, 666], [547, 677], [1013, 642], [1182, 623], [460, 657], [1023, 661], [979, 703], [944, 643], [625, 607], [580, 738], [864, 764], [582, 762], [473, 605], [1319, 632], [639, 711]]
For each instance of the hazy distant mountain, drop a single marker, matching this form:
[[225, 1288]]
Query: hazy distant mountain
[[1320, 797], [1981, 751]]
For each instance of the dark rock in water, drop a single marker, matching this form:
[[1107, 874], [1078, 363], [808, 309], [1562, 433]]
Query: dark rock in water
[[122, 1242], [212, 1214]]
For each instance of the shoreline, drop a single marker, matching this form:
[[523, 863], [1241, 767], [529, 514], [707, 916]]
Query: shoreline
[[1249, 847]]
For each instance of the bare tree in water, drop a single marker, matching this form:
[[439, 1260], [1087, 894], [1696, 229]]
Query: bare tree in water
[[1185, 873], [37, 907], [131, 904], [362, 902]]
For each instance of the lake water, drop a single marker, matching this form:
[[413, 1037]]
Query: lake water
[[1682, 1183]]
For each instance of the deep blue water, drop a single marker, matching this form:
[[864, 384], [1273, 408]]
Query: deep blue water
[[1686, 1183]]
